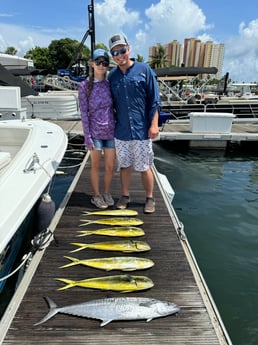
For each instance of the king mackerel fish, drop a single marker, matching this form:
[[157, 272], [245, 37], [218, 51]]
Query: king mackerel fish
[[111, 309]]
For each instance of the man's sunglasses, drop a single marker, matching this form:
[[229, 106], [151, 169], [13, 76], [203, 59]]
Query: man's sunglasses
[[102, 62], [117, 52]]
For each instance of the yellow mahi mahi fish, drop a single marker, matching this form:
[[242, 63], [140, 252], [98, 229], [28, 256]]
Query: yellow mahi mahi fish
[[123, 263], [126, 246], [127, 231], [121, 283], [120, 221], [125, 212]]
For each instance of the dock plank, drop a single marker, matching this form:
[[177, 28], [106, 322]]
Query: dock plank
[[172, 276]]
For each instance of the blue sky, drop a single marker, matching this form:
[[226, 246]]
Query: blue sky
[[26, 24]]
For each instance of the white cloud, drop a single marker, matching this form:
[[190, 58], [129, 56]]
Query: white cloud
[[24, 38], [162, 22], [250, 31], [173, 19], [21, 38], [165, 21], [112, 16], [17, 37], [241, 54]]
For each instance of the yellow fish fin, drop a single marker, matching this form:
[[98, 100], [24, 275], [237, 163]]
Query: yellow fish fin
[[128, 269], [85, 233], [126, 291], [70, 283], [73, 263], [80, 245], [86, 222], [131, 279], [87, 212]]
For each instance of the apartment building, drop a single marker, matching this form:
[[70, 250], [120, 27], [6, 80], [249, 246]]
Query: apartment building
[[194, 53]]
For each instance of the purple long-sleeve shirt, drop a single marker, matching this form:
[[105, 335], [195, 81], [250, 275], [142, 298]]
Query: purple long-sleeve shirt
[[97, 112]]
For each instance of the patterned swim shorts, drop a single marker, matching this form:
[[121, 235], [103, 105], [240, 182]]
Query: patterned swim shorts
[[136, 153]]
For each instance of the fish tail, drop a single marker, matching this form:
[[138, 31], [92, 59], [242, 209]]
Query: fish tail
[[70, 283], [53, 310], [80, 245], [85, 233], [73, 263], [86, 222]]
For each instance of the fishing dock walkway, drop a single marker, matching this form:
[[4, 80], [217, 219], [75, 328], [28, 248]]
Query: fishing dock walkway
[[176, 278]]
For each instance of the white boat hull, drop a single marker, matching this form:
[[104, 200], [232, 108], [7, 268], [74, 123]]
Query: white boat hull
[[31, 152], [56, 106]]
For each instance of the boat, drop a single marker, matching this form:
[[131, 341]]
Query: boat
[[56, 105], [178, 102], [30, 153], [241, 91], [244, 110]]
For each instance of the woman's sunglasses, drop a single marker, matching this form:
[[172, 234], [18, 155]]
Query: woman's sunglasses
[[117, 52], [101, 62]]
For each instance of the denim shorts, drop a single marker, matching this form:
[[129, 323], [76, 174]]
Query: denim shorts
[[100, 144]]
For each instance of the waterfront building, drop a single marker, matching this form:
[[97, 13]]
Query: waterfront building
[[174, 52], [194, 53]]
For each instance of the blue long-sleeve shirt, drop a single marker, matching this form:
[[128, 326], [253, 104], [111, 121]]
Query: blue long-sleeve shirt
[[97, 112], [136, 99]]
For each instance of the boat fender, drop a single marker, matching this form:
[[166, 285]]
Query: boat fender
[[44, 213]]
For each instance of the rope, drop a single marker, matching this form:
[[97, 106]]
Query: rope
[[40, 242], [25, 258], [69, 166]]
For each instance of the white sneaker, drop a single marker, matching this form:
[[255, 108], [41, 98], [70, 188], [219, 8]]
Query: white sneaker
[[99, 202], [108, 199]]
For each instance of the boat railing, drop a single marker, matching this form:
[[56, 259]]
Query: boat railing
[[60, 83], [242, 110], [170, 91]]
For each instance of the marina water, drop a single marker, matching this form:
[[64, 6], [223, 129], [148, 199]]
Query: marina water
[[216, 198]]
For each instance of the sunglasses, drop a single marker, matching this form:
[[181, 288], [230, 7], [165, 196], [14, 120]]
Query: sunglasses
[[101, 62], [117, 52]]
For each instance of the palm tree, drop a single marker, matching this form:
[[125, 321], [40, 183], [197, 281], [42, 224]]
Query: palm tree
[[140, 58], [160, 57], [11, 51]]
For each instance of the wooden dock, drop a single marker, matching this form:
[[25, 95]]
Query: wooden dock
[[180, 130], [175, 275], [243, 131]]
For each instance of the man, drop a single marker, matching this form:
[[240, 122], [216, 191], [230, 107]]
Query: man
[[137, 103]]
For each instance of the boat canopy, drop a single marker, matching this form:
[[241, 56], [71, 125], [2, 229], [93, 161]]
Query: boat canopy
[[8, 79], [184, 71]]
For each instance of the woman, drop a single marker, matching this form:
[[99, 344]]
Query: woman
[[98, 123]]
